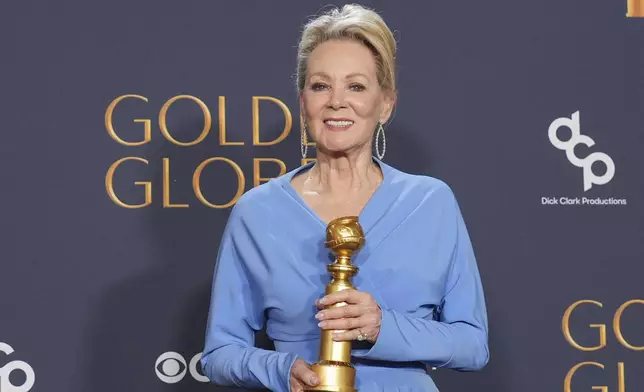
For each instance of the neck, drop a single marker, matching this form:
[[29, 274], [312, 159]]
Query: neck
[[344, 172]]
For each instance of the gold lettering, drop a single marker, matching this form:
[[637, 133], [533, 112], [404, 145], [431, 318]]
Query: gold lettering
[[617, 325], [566, 327], [196, 182], [109, 184], [109, 113], [287, 117], [163, 125], [222, 125], [635, 8], [571, 373], [256, 170], [166, 187], [621, 377]]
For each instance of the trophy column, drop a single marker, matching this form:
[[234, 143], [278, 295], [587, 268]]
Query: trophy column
[[344, 237]]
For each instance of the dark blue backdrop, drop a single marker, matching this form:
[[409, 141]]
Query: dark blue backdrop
[[92, 294]]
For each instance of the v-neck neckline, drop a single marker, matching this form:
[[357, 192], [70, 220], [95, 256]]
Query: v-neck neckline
[[366, 218]]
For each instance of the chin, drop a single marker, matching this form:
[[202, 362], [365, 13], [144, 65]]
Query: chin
[[340, 141], [337, 148], [333, 141]]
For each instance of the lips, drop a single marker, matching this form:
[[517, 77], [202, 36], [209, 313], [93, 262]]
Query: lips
[[338, 124]]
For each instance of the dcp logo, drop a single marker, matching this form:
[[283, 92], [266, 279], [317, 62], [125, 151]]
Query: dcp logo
[[5, 372], [576, 138], [171, 368]]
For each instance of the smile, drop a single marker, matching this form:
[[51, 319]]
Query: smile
[[338, 125]]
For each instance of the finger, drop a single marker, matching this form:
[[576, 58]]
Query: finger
[[306, 375], [296, 385], [344, 323], [346, 311], [348, 295], [348, 335]]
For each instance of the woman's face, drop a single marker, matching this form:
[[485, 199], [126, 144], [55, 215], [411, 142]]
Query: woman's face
[[342, 101]]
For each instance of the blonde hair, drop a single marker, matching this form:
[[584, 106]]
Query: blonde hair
[[357, 23]]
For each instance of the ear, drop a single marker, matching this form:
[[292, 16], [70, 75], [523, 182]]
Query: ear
[[388, 106]]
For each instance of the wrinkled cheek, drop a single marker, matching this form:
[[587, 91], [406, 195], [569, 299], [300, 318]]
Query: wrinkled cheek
[[314, 103], [366, 109], [313, 121], [315, 132]]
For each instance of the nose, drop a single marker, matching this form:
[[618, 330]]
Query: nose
[[336, 100]]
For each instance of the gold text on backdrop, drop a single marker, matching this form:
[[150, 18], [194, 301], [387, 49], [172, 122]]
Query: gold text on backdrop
[[602, 342], [223, 141], [635, 8]]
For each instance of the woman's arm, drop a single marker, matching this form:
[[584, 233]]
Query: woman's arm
[[229, 357], [458, 340]]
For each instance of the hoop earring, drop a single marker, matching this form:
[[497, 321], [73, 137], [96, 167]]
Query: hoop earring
[[304, 148], [381, 131]]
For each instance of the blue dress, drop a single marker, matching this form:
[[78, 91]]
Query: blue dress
[[417, 262]]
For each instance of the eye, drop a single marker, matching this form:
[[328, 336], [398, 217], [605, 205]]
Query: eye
[[318, 86], [357, 87]]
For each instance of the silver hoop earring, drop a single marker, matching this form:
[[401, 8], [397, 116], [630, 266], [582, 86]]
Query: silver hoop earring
[[379, 133], [304, 148]]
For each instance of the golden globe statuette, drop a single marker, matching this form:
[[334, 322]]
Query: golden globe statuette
[[344, 236]]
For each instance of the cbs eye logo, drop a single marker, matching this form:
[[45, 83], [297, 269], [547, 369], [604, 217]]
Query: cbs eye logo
[[6, 370], [171, 368]]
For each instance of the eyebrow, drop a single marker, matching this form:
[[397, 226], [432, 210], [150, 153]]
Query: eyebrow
[[349, 76]]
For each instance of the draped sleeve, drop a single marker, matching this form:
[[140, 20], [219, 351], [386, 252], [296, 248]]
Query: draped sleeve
[[458, 339], [236, 312]]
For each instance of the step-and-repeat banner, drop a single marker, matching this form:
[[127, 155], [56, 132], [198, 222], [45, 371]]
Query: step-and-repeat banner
[[129, 129]]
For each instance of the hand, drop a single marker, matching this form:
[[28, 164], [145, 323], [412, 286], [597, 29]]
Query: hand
[[302, 376], [360, 317]]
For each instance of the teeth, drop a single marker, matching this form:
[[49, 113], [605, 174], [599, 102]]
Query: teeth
[[338, 123]]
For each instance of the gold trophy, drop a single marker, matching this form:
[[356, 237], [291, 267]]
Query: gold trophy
[[344, 236]]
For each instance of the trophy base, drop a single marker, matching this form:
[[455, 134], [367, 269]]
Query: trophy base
[[334, 377]]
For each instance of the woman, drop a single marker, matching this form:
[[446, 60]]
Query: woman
[[418, 300]]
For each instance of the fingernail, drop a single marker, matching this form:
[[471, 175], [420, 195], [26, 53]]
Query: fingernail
[[314, 380], [322, 324], [322, 301], [334, 336], [319, 316]]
